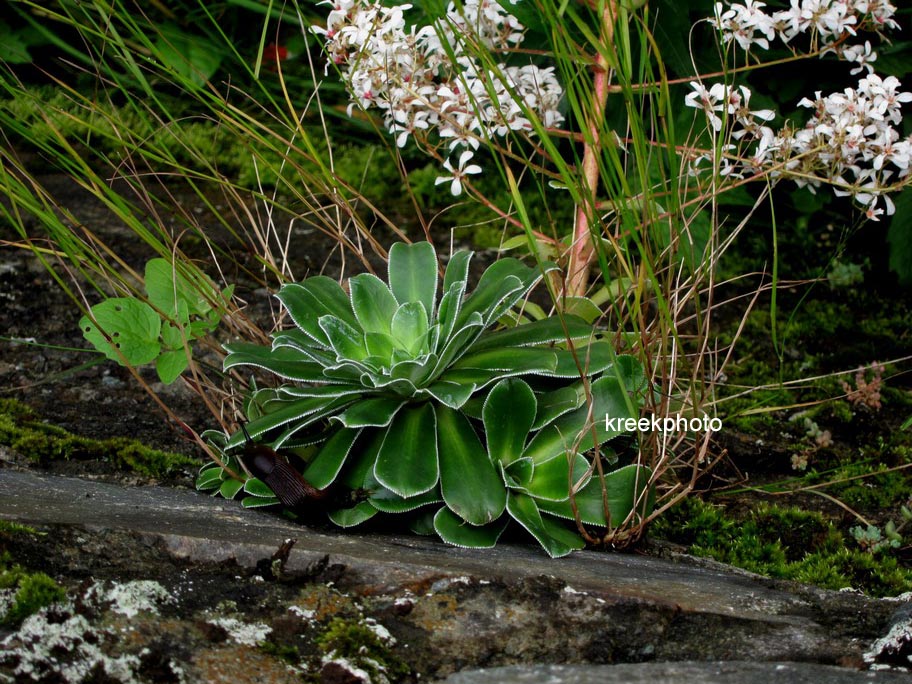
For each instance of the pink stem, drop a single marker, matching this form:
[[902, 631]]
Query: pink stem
[[582, 252]]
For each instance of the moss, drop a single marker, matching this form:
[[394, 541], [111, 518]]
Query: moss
[[42, 443], [783, 542], [282, 651], [356, 642], [8, 528], [876, 574], [878, 493], [33, 591]]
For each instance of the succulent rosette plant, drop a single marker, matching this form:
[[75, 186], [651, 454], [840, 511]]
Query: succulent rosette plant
[[427, 408]]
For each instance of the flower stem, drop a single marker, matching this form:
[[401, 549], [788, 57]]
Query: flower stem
[[582, 251]]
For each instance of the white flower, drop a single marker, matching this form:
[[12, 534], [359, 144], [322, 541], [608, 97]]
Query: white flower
[[862, 55], [424, 79], [459, 172]]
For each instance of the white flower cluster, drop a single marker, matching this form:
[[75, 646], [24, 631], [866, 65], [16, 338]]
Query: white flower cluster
[[830, 23], [426, 79], [849, 143]]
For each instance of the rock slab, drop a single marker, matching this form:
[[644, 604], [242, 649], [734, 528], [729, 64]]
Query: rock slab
[[452, 609]]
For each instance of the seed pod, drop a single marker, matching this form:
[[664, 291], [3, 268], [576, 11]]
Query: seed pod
[[283, 479]]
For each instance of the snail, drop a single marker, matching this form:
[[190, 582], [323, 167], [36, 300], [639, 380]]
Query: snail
[[281, 477]]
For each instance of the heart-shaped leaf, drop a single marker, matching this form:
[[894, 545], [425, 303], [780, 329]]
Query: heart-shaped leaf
[[124, 329]]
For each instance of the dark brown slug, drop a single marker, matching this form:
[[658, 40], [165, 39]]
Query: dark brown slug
[[283, 479]]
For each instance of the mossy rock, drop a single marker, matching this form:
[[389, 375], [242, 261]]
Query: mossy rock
[[24, 433], [782, 542]]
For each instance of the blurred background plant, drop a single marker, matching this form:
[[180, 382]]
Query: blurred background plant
[[629, 145]]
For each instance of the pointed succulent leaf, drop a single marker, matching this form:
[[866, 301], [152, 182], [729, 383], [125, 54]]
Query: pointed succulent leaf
[[313, 298], [458, 343], [401, 387], [372, 412], [552, 329], [300, 412], [508, 414], [209, 479], [609, 399], [416, 371], [216, 438], [451, 394], [230, 488], [518, 474], [522, 359], [326, 465], [372, 303], [551, 479], [328, 391], [407, 463], [469, 481], [457, 270], [231, 463], [346, 340], [450, 305], [409, 328], [309, 429], [294, 338], [361, 461], [413, 274], [552, 405], [387, 501], [306, 348], [380, 345], [583, 307], [256, 487], [454, 530], [498, 294], [347, 372], [594, 358], [493, 301], [555, 539], [504, 275], [433, 337], [626, 487], [284, 362], [351, 517], [490, 366], [259, 501]]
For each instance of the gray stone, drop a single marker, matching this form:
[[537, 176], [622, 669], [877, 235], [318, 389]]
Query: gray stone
[[465, 608], [676, 673]]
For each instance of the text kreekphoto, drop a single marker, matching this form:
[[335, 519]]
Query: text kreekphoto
[[677, 423]]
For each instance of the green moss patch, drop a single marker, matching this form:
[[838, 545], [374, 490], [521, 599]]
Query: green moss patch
[[358, 643], [24, 433], [783, 542], [29, 592]]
